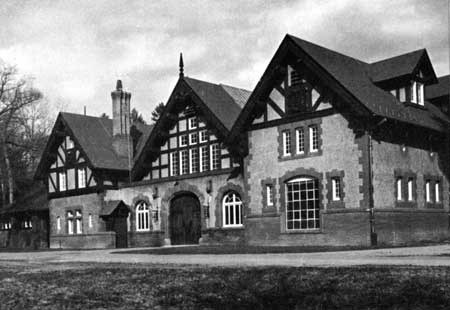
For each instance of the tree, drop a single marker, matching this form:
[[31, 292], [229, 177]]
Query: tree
[[157, 112], [137, 117], [16, 93]]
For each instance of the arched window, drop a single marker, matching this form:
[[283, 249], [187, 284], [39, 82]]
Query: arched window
[[232, 210], [302, 204], [142, 216]]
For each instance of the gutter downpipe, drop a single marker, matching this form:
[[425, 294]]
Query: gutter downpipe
[[373, 234]]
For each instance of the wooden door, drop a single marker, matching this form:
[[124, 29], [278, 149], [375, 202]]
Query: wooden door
[[185, 221], [120, 228]]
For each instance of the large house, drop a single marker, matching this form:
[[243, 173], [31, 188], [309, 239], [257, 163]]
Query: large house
[[326, 150]]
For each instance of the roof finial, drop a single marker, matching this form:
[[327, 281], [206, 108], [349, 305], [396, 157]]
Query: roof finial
[[181, 66], [119, 85]]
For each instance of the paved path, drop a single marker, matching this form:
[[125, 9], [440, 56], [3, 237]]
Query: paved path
[[438, 255]]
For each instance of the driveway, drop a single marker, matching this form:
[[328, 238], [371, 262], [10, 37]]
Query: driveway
[[438, 255]]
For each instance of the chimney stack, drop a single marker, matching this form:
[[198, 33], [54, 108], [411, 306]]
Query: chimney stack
[[121, 119]]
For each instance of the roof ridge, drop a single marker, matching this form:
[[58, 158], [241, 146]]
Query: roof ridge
[[327, 49], [398, 56]]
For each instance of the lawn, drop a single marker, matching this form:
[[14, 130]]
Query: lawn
[[128, 286]]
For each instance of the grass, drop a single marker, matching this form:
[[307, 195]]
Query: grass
[[126, 286]]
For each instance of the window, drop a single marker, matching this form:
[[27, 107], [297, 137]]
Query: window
[[437, 192], [286, 143], [203, 136], [193, 138], [269, 194], [194, 160], [232, 210], [142, 216], [204, 158], [183, 140], [215, 156], [70, 222], [26, 224], [58, 223], [184, 160], [420, 94], [193, 122], [62, 181], [174, 163], [313, 138], [82, 178], [402, 94], [300, 140], [295, 78], [414, 92], [90, 221], [410, 189], [78, 222], [427, 191], [399, 188], [302, 204], [336, 188]]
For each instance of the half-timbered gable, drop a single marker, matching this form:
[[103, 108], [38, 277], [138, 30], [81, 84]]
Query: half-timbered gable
[[188, 140]]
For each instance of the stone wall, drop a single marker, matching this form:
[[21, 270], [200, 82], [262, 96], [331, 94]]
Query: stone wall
[[84, 241]]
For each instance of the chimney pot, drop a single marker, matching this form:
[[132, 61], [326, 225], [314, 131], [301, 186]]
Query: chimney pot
[[119, 85]]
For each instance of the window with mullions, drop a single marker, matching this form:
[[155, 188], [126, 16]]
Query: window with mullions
[[232, 210], [302, 204], [62, 181], [193, 123], [184, 162], [300, 135], [194, 160], [286, 143], [174, 163], [215, 156], [203, 136], [81, 178], [204, 158], [142, 216], [313, 138]]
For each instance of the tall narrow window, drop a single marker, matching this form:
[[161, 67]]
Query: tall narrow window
[[193, 160], [193, 122], [142, 216], [58, 223], [232, 210], [428, 191], [414, 92], [82, 178], [70, 222], [402, 94], [269, 194], [313, 138], [183, 140], [437, 192], [203, 136], [300, 140], [215, 156], [62, 181], [336, 188], [286, 143], [410, 189], [184, 161], [174, 163], [90, 220], [193, 138], [420, 94], [204, 158], [78, 222], [399, 188]]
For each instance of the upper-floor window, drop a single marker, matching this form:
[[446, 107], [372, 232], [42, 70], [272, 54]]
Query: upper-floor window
[[300, 135], [62, 181], [82, 178], [313, 138], [193, 122], [286, 143]]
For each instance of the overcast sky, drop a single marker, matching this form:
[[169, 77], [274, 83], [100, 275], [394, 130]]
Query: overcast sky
[[76, 50]]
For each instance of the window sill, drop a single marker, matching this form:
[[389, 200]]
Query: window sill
[[300, 156], [302, 232], [232, 227]]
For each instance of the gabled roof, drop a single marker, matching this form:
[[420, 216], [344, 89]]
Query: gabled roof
[[145, 130], [397, 66], [224, 101], [350, 77], [442, 88], [94, 135], [220, 104]]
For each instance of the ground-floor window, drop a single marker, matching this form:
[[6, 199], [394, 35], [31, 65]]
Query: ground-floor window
[[232, 210], [74, 222], [302, 204], [142, 216]]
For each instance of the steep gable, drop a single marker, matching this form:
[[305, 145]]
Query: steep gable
[[214, 107]]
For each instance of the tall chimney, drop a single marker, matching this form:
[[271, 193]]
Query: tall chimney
[[121, 119]]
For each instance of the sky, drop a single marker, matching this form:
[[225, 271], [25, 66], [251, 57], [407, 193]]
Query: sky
[[76, 50]]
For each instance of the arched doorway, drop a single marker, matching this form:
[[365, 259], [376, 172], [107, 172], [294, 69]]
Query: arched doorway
[[184, 219]]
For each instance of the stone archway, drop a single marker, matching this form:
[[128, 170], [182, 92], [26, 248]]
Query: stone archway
[[185, 219]]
